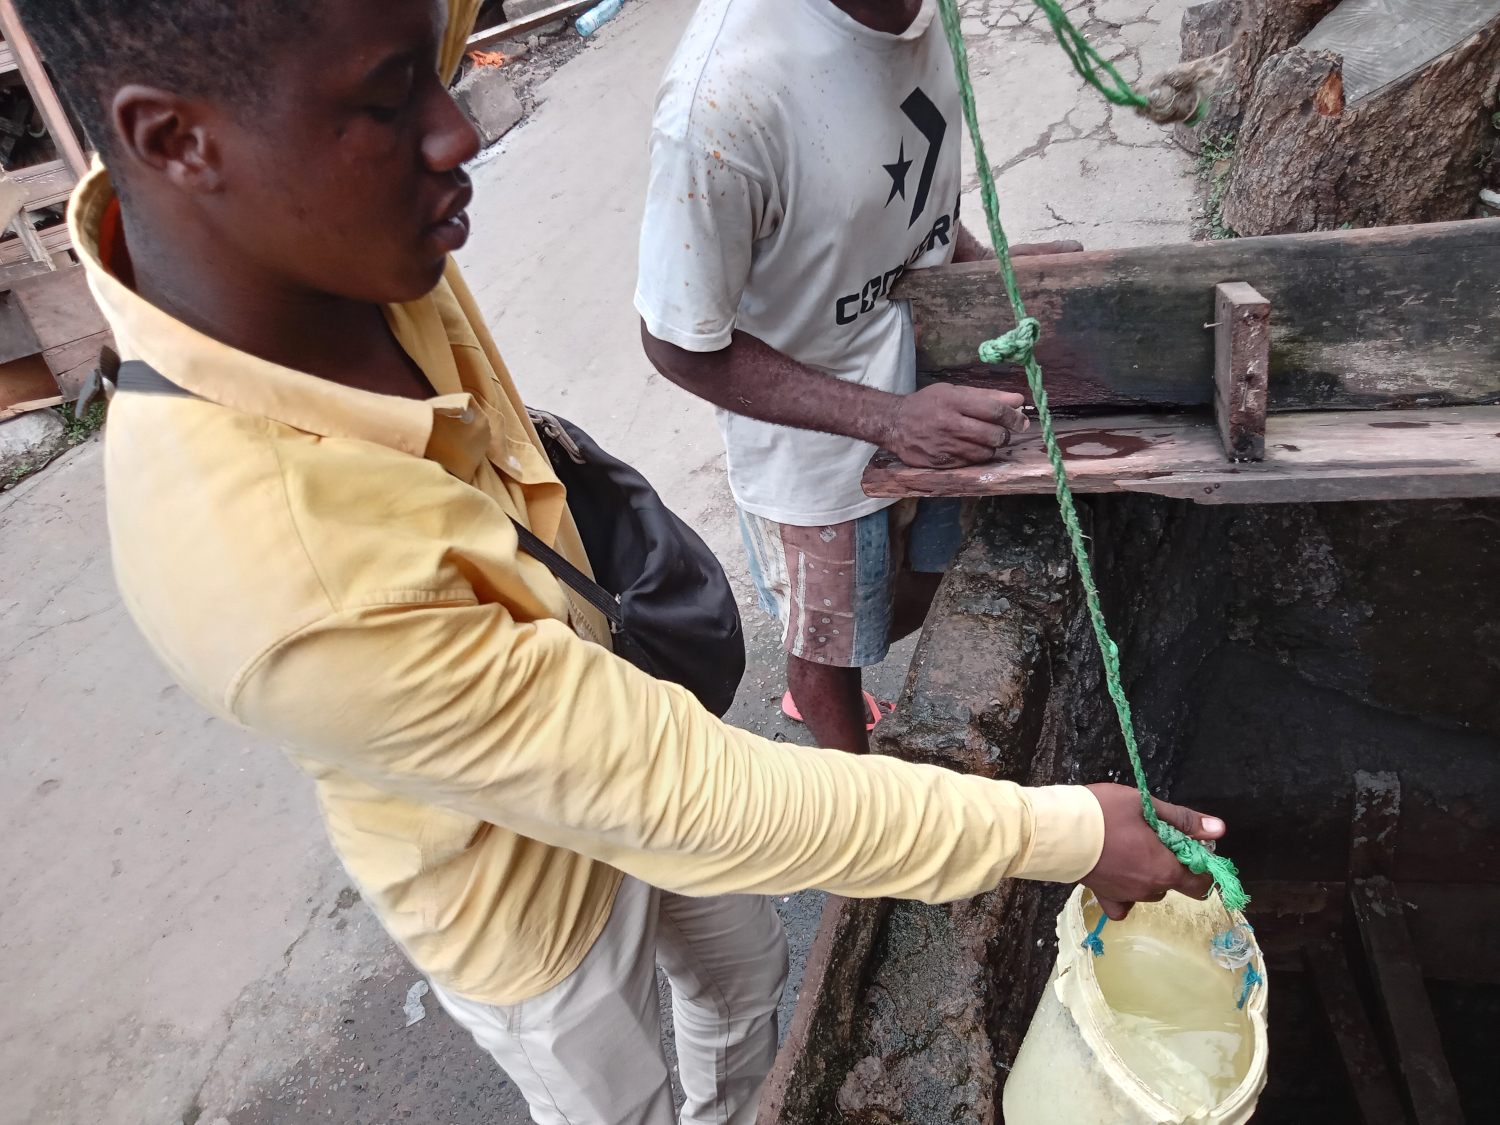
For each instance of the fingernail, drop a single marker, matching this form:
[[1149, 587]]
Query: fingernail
[[1212, 826]]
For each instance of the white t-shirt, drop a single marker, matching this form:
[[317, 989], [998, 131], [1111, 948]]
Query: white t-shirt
[[800, 163]]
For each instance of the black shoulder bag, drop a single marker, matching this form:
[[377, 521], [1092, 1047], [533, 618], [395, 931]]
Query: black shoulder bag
[[670, 607]]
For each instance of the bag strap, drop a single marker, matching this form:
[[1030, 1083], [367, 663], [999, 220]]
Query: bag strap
[[142, 378], [584, 586]]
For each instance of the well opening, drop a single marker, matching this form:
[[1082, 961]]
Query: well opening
[[1326, 677]]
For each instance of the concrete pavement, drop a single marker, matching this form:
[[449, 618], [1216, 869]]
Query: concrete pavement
[[179, 944]]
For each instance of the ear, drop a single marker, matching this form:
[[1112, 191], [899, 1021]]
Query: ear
[[169, 134]]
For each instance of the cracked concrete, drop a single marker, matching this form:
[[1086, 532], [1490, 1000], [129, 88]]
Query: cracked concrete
[[1069, 164], [179, 944]]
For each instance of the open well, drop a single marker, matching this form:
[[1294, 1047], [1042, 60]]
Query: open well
[[1324, 676]]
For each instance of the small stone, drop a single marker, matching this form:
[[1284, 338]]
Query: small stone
[[490, 102], [28, 441], [413, 1008]]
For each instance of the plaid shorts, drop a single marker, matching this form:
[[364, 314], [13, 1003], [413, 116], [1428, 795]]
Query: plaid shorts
[[832, 588]]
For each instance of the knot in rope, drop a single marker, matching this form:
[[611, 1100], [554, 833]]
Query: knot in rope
[[1015, 346], [1200, 861], [1181, 93]]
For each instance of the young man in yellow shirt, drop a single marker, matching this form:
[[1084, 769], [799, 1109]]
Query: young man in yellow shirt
[[313, 460]]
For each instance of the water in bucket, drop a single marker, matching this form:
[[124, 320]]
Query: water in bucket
[[1176, 1023], [1166, 1027]]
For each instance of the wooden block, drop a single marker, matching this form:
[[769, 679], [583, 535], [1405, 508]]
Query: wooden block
[[25, 380], [60, 307], [46, 184], [1242, 358], [13, 197], [55, 239], [1403, 995], [1374, 1089], [1354, 455], [1377, 815], [72, 362], [1376, 317], [12, 272], [17, 338]]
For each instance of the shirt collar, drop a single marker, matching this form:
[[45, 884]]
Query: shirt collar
[[868, 36], [240, 381]]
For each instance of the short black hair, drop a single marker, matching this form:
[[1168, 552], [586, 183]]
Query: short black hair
[[198, 48]]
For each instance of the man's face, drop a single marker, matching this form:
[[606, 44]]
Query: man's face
[[347, 178]]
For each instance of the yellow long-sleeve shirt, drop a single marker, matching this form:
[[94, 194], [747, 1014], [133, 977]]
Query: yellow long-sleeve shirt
[[337, 570]]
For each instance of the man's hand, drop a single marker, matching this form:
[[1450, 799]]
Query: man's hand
[[1135, 865], [943, 425]]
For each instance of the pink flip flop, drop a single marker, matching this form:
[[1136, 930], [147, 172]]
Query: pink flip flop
[[878, 708]]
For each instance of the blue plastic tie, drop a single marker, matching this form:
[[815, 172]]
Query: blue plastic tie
[[1252, 978], [1094, 943]]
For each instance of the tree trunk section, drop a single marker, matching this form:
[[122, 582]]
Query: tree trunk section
[[1256, 29], [1412, 153]]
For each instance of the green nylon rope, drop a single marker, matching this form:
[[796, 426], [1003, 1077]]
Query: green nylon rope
[[1016, 347], [1087, 61]]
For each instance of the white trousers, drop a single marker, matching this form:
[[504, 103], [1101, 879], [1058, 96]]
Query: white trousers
[[588, 1051]]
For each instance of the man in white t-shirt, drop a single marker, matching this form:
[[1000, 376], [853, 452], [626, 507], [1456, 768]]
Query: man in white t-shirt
[[804, 155]]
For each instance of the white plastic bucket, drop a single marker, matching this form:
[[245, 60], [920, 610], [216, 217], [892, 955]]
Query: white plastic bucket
[[1085, 1063]]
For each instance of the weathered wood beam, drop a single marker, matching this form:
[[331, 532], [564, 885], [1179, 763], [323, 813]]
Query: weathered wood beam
[[1364, 318], [1403, 995], [67, 322], [1242, 358], [1452, 925], [40, 84], [480, 40], [1374, 1089], [1352, 455]]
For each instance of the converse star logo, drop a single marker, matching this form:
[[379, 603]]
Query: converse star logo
[[897, 172]]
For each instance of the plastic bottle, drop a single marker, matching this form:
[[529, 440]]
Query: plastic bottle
[[597, 16]]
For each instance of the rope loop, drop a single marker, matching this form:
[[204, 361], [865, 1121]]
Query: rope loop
[[1088, 61], [1015, 346], [1182, 93]]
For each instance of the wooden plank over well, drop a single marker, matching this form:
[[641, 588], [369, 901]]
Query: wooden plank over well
[[1374, 1089], [1351, 455], [1360, 318], [1408, 1009]]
